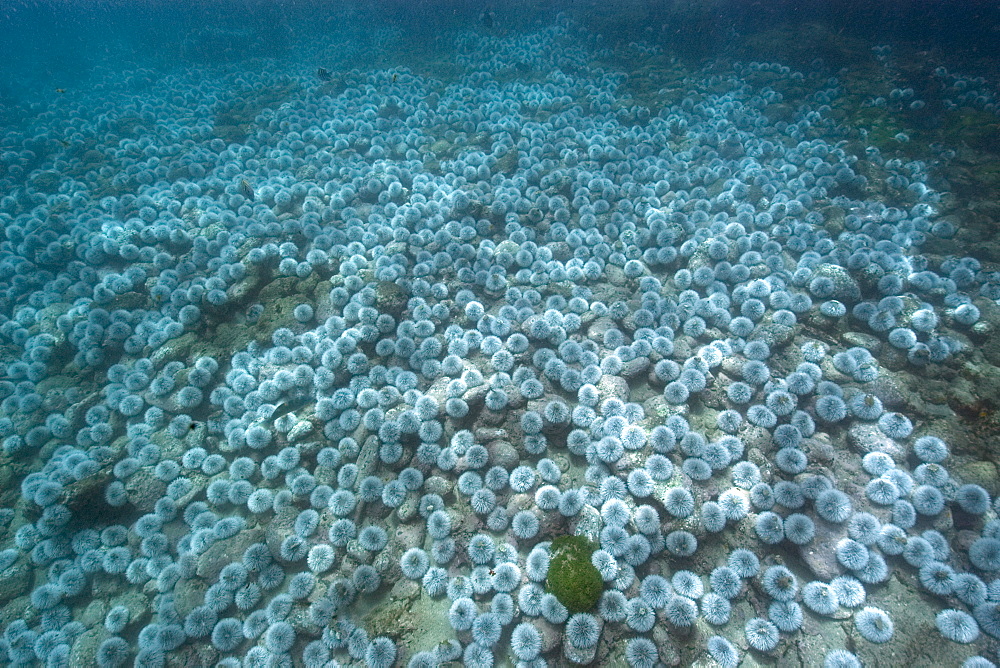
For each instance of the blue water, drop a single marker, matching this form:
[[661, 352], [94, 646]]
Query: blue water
[[322, 328]]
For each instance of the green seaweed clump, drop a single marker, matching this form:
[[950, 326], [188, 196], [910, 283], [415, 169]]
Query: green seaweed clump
[[571, 577]]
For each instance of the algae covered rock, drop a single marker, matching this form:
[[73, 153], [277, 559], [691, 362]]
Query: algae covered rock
[[571, 577]]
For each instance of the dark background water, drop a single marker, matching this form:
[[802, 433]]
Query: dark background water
[[55, 42]]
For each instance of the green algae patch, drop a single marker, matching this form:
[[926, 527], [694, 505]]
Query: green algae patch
[[572, 578]]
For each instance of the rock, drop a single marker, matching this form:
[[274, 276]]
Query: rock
[[634, 367], [46, 181], [588, 523], [439, 485], [384, 562], [358, 553], [390, 298], [683, 347], [301, 429], [916, 641], [7, 476], [84, 649], [756, 438], [138, 608], [503, 454], [392, 617], [561, 460], [944, 521], [15, 581], [597, 329], [658, 410], [550, 634], [194, 654], [614, 387], [408, 509], [518, 502], [94, 613], [632, 459], [819, 448], [302, 622], [407, 536], [21, 608], [226, 551], [893, 359], [326, 476], [561, 251], [144, 489], [107, 587], [665, 644], [820, 555], [980, 473], [475, 396], [732, 366], [774, 335], [486, 434], [368, 458], [614, 275], [845, 288], [866, 437], [280, 526], [550, 525], [188, 595], [863, 340], [888, 390]]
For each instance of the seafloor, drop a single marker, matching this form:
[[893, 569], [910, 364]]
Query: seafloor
[[322, 368]]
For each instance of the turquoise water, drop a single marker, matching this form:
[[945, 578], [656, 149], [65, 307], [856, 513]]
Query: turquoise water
[[528, 335]]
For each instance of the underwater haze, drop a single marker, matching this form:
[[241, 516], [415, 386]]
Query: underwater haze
[[518, 334]]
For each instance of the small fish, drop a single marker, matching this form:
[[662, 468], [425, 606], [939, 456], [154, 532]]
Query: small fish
[[288, 406], [246, 189], [60, 90], [323, 74], [394, 77]]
